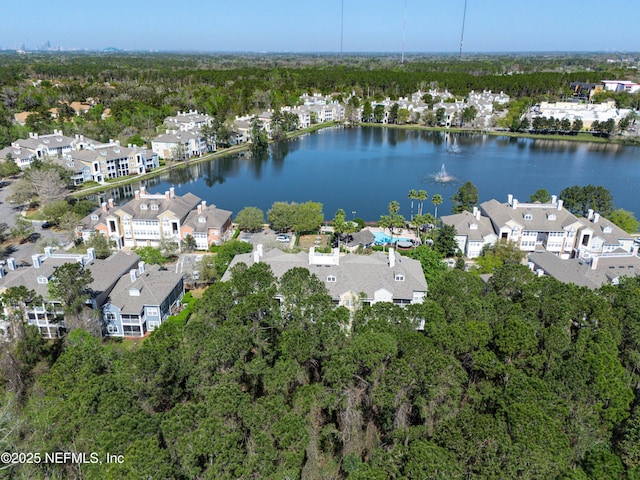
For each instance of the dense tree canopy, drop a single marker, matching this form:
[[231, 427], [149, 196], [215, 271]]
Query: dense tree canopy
[[523, 377], [579, 200]]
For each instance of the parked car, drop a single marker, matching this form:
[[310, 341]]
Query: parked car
[[283, 238], [46, 225]]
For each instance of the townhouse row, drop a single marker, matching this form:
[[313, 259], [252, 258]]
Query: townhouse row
[[130, 298], [149, 219], [549, 229], [85, 159]]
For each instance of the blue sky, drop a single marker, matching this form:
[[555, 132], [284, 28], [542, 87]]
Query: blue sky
[[312, 26]]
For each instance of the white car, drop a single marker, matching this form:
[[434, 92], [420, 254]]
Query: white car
[[283, 238]]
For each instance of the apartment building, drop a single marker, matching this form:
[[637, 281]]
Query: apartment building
[[149, 219]]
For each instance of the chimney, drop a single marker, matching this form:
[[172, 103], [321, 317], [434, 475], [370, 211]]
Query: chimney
[[260, 249], [143, 190], [141, 266], [111, 203], [509, 199], [104, 206], [392, 258], [35, 259], [48, 251], [137, 194], [590, 214], [204, 204], [91, 253], [594, 263], [199, 209], [133, 275], [477, 214], [256, 256], [560, 204], [554, 199], [515, 203], [475, 211], [540, 272], [596, 217], [166, 194], [11, 263], [172, 192]]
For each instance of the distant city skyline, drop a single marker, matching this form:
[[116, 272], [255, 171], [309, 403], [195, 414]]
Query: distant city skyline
[[328, 26]]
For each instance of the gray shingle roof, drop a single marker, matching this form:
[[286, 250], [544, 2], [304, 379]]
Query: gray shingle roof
[[542, 218], [214, 218], [355, 273], [154, 285], [180, 206], [105, 273], [580, 273], [606, 229], [463, 224]]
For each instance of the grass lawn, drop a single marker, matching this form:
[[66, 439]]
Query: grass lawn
[[308, 241]]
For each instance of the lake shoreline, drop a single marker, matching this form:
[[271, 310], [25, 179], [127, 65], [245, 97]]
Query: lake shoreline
[[417, 169]]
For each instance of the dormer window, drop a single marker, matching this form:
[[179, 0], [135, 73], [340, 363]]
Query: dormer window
[[607, 230], [551, 217], [154, 206], [398, 277], [94, 217], [473, 226], [528, 216], [143, 206], [42, 279], [331, 278], [202, 220]]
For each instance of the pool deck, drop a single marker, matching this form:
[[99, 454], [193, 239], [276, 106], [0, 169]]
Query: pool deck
[[398, 233]]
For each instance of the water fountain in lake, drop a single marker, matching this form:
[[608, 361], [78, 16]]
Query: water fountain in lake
[[443, 176]]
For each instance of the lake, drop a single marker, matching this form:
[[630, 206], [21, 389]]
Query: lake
[[362, 169]]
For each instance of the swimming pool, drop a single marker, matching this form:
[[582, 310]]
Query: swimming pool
[[383, 238]]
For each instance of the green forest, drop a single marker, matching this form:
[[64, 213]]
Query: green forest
[[140, 90], [521, 377]]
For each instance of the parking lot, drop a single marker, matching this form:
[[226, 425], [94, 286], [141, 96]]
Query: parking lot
[[22, 252], [267, 238]]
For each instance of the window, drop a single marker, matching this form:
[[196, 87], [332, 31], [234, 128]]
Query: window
[[154, 206], [399, 277], [551, 216], [131, 330], [152, 312], [111, 329], [143, 206], [43, 280], [607, 230], [331, 278], [528, 216], [94, 217]]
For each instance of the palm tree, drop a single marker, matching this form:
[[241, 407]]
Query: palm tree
[[422, 196], [436, 200], [413, 195]]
